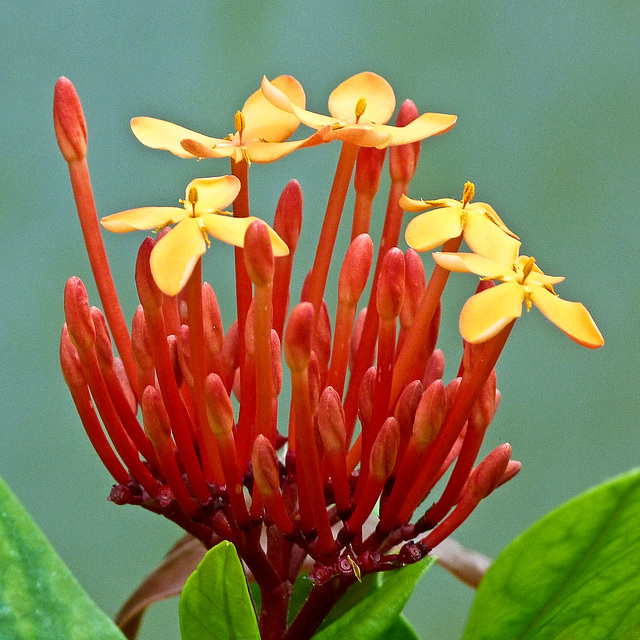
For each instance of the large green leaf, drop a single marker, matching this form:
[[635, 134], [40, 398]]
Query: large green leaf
[[215, 602], [574, 575], [39, 598], [378, 612]]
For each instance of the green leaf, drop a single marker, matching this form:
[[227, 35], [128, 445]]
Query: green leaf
[[574, 574], [375, 614], [400, 629], [215, 602], [39, 598]]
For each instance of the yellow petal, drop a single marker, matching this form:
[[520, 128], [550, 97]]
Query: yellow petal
[[411, 205], [263, 152], [490, 213], [486, 313], [195, 148], [263, 120], [378, 93], [213, 193], [142, 218], [160, 134], [175, 255], [487, 239], [425, 126], [431, 229], [360, 135], [473, 263], [232, 230], [571, 317]]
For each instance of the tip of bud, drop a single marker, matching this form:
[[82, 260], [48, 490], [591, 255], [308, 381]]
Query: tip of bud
[[355, 269], [385, 450], [150, 295], [70, 362], [298, 336], [264, 461], [68, 121], [390, 294], [287, 222], [78, 314], [219, 407], [154, 415], [331, 421], [258, 254]]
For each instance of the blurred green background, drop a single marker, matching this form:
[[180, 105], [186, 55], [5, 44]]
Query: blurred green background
[[548, 105]]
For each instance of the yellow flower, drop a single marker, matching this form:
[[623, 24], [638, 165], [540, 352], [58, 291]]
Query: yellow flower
[[486, 313], [175, 255], [261, 131], [359, 108], [479, 224]]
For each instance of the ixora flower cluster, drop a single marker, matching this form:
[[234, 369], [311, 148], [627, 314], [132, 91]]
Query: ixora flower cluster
[[369, 419]]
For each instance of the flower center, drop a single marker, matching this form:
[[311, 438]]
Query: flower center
[[361, 105], [467, 193]]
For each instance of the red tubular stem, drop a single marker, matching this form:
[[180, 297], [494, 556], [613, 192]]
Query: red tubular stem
[[83, 194], [326, 242], [468, 393], [209, 451], [415, 336]]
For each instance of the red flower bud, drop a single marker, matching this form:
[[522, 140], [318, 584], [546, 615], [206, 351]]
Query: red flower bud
[[355, 270], [219, 407], [258, 254], [390, 294], [68, 121], [78, 314]]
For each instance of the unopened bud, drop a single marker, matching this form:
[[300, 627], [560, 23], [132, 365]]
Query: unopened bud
[[266, 471], [148, 291], [414, 282], [365, 395], [70, 362], [287, 222], [184, 354], [219, 407], [390, 294], [68, 121], [435, 368], [156, 421], [103, 340], [385, 450], [429, 414], [213, 329], [258, 254], [406, 406], [298, 336], [450, 393], [355, 270], [331, 421], [486, 476], [78, 314], [140, 343]]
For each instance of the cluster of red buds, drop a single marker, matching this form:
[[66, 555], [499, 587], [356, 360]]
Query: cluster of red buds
[[367, 431]]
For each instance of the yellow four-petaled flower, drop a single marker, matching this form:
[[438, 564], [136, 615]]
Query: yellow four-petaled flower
[[486, 313], [359, 108], [261, 131], [477, 222], [174, 256]]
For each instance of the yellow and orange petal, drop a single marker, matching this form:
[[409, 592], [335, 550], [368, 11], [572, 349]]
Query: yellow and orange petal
[[360, 106], [174, 256], [263, 123]]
